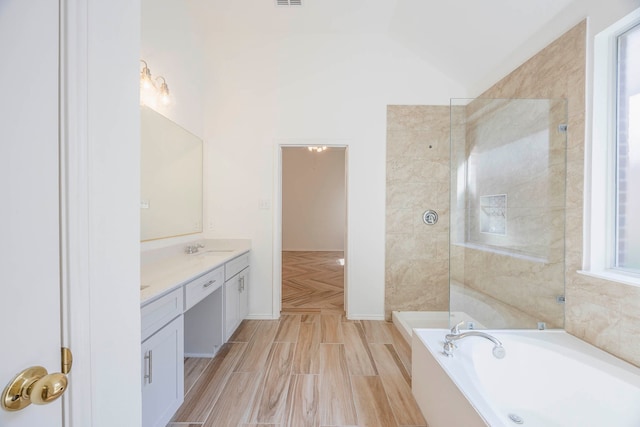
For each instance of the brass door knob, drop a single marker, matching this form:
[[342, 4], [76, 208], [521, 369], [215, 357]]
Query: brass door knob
[[33, 385], [48, 388]]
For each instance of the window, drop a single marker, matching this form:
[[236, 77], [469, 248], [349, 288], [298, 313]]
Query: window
[[613, 238], [628, 151]]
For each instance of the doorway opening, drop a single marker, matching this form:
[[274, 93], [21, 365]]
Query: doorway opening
[[313, 229]]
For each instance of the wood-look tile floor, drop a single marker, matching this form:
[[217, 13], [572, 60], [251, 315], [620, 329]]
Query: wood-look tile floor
[[303, 370], [312, 282]]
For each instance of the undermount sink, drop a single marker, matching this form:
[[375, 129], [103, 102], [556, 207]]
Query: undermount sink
[[215, 251]]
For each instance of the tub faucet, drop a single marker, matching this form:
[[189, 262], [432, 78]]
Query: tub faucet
[[455, 335]]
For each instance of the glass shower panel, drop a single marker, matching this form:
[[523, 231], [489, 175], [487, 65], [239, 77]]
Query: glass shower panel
[[508, 173]]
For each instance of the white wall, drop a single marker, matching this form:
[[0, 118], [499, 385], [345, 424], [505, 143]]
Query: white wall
[[313, 199], [173, 49], [264, 88]]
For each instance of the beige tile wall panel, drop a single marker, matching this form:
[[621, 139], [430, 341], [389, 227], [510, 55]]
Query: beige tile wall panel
[[417, 262]]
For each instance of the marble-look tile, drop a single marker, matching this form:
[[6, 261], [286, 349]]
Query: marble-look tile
[[396, 273], [406, 169], [601, 312], [417, 180], [402, 117], [595, 324], [420, 195], [417, 285], [400, 220], [406, 247], [629, 349], [417, 144]]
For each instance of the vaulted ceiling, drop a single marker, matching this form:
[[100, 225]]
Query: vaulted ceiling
[[465, 39]]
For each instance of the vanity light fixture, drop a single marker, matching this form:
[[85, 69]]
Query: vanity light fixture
[[164, 91], [145, 77], [317, 149], [149, 91]]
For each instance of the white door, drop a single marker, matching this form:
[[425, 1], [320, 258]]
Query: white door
[[29, 199]]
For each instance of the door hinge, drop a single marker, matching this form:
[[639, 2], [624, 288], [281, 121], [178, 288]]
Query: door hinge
[[67, 360]]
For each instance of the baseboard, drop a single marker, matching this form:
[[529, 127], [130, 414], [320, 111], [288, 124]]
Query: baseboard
[[366, 317], [313, 250], [200, 355], [262, 317]]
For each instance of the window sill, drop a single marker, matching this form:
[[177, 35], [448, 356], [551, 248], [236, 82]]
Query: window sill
[[625, 279]]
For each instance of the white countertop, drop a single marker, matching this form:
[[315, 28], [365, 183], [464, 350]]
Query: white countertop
[[164, 270]]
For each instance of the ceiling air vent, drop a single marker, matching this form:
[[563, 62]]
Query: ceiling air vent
[[288, 2]]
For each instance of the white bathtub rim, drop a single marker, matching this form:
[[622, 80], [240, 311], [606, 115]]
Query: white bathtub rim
[[402, 321], [482, 408], [578, 349]]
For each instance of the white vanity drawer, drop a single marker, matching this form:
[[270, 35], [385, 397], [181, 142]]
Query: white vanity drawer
[[196, 290], [158, 313], [235, 266]]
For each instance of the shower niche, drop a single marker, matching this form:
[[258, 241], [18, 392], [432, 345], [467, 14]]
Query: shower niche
[[493, 214]]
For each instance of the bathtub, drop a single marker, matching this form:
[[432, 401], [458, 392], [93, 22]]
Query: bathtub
[[547, 379]]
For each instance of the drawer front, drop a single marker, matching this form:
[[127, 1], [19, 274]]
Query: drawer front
[[236, 265], [196, 290], [158, 313]]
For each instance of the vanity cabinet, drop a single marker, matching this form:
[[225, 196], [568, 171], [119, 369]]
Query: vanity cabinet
[[162, 359], [236, 293], [194, 316]]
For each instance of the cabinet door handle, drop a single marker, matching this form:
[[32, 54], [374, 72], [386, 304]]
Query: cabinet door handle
[[241, 284], [149, 359], [209, 283]]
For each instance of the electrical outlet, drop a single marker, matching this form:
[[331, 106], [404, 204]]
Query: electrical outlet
[[264, 204]]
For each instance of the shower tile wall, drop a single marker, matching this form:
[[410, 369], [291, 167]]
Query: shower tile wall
[[606, 314], [417, 255]]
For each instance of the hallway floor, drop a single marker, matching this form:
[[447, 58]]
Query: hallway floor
[[313, 282]]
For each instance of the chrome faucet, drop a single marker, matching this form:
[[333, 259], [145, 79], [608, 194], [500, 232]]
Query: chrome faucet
[[192, 249], [455, 335]]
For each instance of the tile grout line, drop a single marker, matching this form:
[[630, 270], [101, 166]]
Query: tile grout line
[[224, 384], [193, 383]]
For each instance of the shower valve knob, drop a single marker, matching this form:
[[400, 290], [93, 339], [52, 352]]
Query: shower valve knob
[[430, 217]]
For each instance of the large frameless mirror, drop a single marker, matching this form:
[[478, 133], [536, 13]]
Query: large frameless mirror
[[171, 178]]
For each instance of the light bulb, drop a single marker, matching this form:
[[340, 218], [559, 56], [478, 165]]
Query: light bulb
[[145, 77], [164, 92]]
